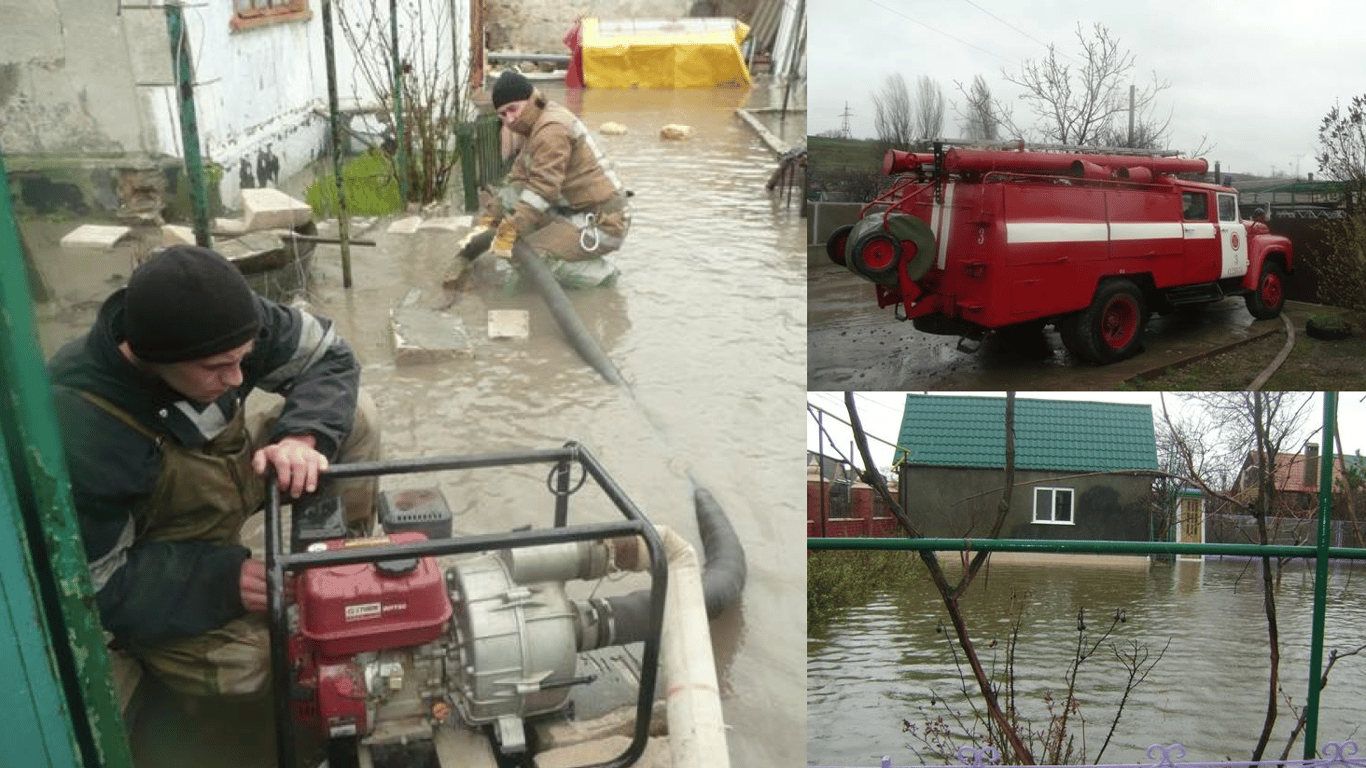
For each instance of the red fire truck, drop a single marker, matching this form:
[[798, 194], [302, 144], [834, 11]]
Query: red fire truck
[[969, 241]]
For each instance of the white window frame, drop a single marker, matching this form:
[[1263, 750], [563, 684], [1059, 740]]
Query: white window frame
[[1052, 506]]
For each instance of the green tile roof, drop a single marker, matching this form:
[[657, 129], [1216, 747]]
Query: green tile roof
[[1049, 434]]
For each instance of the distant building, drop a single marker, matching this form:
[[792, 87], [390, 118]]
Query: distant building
[[1292, 517], [839, 505], [1083, 470]]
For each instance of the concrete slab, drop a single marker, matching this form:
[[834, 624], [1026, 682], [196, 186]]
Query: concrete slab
[[229, 227], [175, 234], [405, 226], [423, 336], [456, 224], [656, 754], [509, 324], [94, 236], [267, 208]]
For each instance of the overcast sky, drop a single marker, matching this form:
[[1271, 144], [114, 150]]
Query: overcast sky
[[1254, 77], [881, 412]]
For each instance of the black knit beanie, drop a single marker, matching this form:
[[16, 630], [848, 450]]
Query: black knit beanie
[[509, 87], [187, 303]]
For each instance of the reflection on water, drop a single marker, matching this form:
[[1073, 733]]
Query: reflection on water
[[885, 661]]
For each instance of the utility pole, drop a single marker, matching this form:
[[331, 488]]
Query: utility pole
[[844, 129]]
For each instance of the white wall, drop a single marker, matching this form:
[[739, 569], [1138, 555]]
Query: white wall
[[264, 91], [67, 79], [79, 77]]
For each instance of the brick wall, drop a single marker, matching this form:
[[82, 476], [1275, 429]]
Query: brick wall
[[860, 524]]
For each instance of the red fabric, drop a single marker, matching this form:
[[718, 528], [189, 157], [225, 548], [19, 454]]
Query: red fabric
[[573, 76]]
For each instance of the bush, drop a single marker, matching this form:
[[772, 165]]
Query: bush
[[370, 185], [840, 579]]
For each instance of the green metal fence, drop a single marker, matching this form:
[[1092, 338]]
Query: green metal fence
[[1320, 553], [481, 162]]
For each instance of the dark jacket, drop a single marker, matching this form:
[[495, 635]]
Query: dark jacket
[[156, 590]]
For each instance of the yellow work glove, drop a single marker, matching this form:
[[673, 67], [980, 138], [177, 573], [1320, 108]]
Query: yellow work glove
[[503, 240]]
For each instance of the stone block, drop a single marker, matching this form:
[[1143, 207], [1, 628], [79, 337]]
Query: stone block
[[457, 224], [100, 236], [265, 208], [229, 227], [405, 226], [509, 324], [175, 234], [423, 336]]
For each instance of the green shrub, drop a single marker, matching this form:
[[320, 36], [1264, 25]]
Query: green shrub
[[370, 185], [838, 579]]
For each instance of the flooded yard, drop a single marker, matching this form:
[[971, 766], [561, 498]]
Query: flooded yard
[[707, 326]]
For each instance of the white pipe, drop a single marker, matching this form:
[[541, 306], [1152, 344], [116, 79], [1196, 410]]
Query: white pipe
[[697, 731]]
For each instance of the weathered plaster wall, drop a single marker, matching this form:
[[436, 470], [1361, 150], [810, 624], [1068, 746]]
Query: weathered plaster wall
[[80, 79], [1104, 506], [516, 25], [66, 80], [263, 109]]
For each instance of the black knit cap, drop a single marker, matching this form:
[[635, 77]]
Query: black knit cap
[[509, 87], [187, 303]]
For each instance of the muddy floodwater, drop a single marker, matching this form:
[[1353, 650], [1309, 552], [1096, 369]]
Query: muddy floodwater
[[707, 324], [890, 660]]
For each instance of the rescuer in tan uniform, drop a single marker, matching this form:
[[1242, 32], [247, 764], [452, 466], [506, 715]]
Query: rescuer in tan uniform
[[562, 197]]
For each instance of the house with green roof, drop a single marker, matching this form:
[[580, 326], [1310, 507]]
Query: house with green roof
[[1083, 470]]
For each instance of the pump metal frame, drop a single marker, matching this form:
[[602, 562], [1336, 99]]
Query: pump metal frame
[[278, 562]]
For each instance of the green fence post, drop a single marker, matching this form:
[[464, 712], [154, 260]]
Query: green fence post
[[465, 139], [183, 71], [58, 669], [1311, 720]]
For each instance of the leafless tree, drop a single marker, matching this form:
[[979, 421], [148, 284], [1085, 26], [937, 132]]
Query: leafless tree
[[980, 120], [929, 109], [892, 112], [432, 95], [1254, 426], [1084, 104]]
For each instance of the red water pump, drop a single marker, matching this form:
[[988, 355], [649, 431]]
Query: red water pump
[[383, 646]]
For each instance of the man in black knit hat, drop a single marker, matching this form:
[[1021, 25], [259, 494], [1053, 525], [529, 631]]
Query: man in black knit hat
[[166, 465], [562, 197]]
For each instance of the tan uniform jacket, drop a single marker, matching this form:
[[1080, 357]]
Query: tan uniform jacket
[[559, 167]]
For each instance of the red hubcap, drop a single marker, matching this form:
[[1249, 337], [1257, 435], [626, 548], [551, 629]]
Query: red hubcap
[[879, 254], [1271, 289], [1119, 322]]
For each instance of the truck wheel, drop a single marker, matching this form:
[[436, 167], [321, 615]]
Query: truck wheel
[[1266, 302], [1069, 330], [875, 255], [836, 243], [1112, 327]]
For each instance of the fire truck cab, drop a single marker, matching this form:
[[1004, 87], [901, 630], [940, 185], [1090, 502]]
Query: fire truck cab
[[969, 241]]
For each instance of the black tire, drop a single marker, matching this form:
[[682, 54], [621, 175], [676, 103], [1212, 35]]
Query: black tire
[[1267, 300], [875, 256], [1069, 330], [837, 242], [1111, 329]]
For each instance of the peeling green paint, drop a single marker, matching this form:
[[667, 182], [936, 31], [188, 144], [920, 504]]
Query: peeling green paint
[[76, 673]]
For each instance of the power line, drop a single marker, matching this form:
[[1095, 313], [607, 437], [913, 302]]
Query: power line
[[1012, 26], [890, 9]]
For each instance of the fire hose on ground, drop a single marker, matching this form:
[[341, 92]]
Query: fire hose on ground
[[697, 732]]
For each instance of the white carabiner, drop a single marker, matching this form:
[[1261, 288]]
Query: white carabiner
[[589, 234]]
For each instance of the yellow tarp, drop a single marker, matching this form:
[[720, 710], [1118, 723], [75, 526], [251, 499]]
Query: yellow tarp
[[672, 53]]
